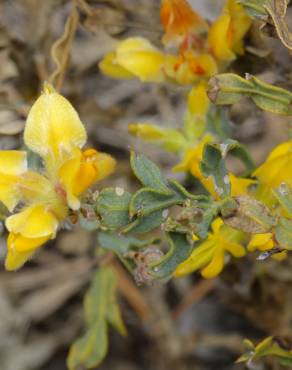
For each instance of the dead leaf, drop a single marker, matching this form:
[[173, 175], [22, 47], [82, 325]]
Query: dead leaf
[[61, 49], [277, 11]]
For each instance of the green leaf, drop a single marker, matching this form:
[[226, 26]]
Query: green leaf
[[286, 361], [148, 173], [239, 151], [213, 166], [183, 193], [121, 244], [145, 224], [100, 292], [113, 207], [255, 8], [100, 308], [114, 317], [179, 250], [88, 224], [89, 350], [208, 215], [284, 233], [146, 201], [284, 196], [268, 347], [229, 88]]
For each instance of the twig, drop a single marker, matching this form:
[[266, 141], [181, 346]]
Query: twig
[[129, 290], [199, 291]]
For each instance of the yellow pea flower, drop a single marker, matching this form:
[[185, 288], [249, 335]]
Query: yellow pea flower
[[189, 67], [265, 242], [54, 131], [274, 171], [262, 242], [180, 21], [191, 163], [110, 67], [227, 32], [170, 139], [210, 255], [134, 57]]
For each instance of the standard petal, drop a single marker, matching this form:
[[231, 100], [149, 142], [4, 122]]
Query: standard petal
[[138, 56], [33, 222], [12, 165], [53, 127]]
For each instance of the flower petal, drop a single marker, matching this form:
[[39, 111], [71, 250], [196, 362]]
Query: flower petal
[[20, 249], [261, 242], [138, 56], [53, 128], [33, 222], [215, 266], [201, 256], [180, 20], [12, 165], [14, 260], [83, 170], [235, 249], [239, 186], [110, 67], [20, 244], [219, 38]]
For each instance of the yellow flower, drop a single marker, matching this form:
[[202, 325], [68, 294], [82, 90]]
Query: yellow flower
[[53, 131], [227, 32], [180, 21], [191, 163], [110, 67], [210, 255], [134, 57], [274, 171], [170, 139], [262, 242], [195, 120], [189, 67], [198, 101], [265, 242]]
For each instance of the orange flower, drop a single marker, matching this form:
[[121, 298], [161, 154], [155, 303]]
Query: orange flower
[[180, 21]]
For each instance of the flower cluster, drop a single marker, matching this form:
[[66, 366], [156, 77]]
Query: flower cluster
[[273, 173], [42, 199], [200, 49]]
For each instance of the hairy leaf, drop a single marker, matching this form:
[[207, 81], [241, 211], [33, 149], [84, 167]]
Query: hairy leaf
[[148, 173], [179, 250], [113, 207], [229, 88], [100, 309]]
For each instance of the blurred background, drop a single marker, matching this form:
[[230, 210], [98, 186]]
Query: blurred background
[[184, 324]]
